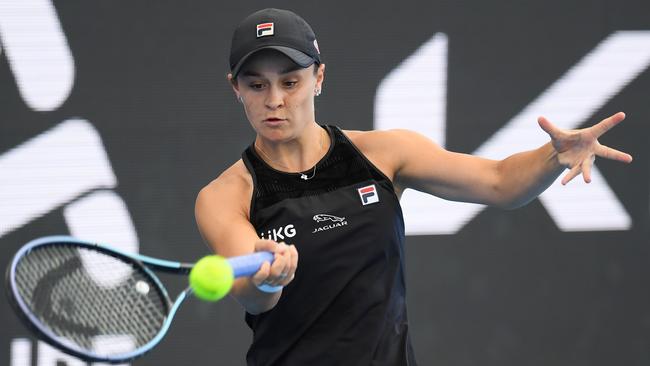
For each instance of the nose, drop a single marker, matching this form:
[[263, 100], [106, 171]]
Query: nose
[[274, 98]]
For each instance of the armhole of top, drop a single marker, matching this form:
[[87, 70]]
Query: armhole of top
[[370, 164], [251, 170]]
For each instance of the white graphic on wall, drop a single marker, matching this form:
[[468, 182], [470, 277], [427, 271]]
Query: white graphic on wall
[[64, 167], [46, 355], [37, 52], [568, 102]]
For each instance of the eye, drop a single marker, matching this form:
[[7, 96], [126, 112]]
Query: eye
[[290, 83], [256, 85]]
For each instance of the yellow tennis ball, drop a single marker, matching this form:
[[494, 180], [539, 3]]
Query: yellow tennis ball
[[211, 278]]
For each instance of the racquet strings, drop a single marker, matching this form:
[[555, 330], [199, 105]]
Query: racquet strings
[[91, 300]]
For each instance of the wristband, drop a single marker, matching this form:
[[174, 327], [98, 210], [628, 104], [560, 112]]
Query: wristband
[[268, 288]]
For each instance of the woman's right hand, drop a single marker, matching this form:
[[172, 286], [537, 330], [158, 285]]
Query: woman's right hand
[[282, 271]]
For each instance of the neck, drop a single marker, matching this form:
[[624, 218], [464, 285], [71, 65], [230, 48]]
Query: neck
[[296, 155]]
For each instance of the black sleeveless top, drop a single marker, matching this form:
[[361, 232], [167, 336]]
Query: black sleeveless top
[[347, 302]]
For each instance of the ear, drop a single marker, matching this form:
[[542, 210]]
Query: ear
[[233, 83], [320, 76]]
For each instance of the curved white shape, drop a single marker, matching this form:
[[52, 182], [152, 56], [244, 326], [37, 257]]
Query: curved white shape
[[102, 217], [37, 51], [50, 170]]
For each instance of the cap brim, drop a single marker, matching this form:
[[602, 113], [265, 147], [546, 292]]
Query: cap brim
[[300, 58]]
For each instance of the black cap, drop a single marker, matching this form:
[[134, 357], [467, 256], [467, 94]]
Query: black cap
[[277, 29]]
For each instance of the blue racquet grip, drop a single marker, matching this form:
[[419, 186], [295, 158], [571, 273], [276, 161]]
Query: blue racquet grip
[[247, 265]]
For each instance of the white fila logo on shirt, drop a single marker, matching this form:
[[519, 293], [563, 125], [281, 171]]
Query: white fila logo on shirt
[[264, 29], [368, 194]]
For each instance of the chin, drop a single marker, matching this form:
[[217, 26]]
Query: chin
[[275, 133]]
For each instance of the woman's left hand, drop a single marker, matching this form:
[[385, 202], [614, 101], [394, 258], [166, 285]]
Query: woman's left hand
[[577, 149]]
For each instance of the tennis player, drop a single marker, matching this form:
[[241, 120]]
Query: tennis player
[[334, 195]]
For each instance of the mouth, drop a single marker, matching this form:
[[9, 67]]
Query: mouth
[[273, 121]]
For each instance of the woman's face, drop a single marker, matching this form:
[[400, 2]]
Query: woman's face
[[277, 94]]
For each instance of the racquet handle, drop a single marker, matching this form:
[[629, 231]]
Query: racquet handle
[[249, 264]]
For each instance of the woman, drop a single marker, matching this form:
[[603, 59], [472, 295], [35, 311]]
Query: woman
[[335, 195]]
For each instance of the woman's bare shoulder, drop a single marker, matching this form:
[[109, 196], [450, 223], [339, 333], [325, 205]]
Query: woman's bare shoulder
[[378, 141], [372, 137], [378, 147], [232, 189]]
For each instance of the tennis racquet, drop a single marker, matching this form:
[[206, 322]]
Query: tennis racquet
[[96, 302]]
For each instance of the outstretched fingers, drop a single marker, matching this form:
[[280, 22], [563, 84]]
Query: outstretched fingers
[[549, 127], [577, 149], [613, 154], [586, 169], [607, 124], [571, 174]]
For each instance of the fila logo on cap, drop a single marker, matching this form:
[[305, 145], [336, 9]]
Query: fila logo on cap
[[264, 29], [368, 194]]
